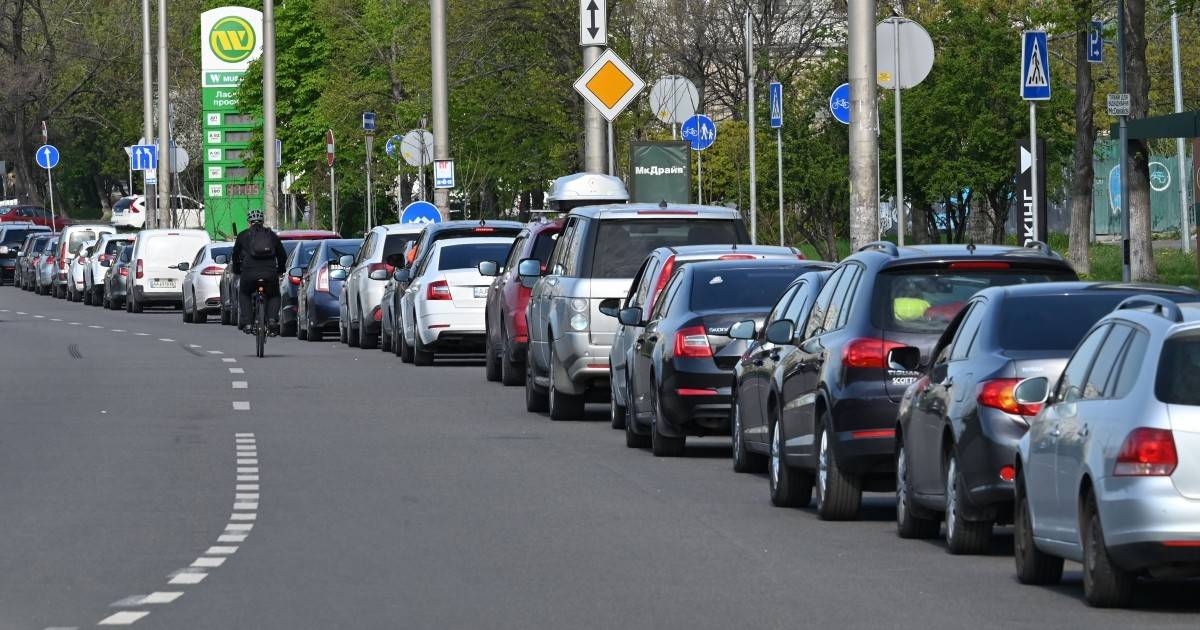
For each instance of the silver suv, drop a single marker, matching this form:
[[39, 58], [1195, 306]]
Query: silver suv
[[1109, 473], [596, 257]]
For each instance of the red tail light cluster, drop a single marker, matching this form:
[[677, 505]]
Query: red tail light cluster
[[999, 394], [124, 271], [1147, 453], [692, 343], [323, 279], [212, 270], [868, 353], [437, 290], [49, 260], [141, 270]]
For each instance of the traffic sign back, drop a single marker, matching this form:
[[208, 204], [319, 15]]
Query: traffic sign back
[[1035, 66]]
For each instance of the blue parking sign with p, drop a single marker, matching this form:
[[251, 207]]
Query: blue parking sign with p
[[1035, 66], [1095, 51]]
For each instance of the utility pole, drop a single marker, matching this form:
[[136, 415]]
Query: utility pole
[[1123, 140], [164, 126], [441, 111], [750, 119], [1180, 152], [593, 124], [148, 109], [864, 120], [270, 170]]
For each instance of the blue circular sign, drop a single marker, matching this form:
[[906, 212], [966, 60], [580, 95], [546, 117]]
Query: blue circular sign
[[46, 156], [392, 147], [699, 131], [420, 212], [839, 103]]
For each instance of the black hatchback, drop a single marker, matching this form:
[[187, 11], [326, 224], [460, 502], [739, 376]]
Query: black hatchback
[[871, 330], [959, 424]]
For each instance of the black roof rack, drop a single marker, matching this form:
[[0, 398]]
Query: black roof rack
[[886, 247], [1161, 306], [1041, 247]]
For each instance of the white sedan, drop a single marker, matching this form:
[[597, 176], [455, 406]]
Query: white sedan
[[202, 284], [443, 309]]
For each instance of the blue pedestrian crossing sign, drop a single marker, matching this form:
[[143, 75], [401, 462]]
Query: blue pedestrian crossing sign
[[776, 105], [1095, 41], [1035, 66], [46, 156], [143, 157], [420, 212], [699, 131]]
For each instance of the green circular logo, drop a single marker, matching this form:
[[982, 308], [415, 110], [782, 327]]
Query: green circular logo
[[231, 39]]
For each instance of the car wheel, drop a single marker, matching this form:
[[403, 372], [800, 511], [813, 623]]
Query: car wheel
[[301, 331], [1105, 585], [226, 319], [87, 297], [839, 497], [491, 361], [421, 354], [616, 413], [535, 399], [135, 306], [106, 303], [128, 304], [634, 439], [406, 351], [366, 340], [313, 333], [563, 406], [911, 521], [743, 460], [186, 313], [790, 487], [1033, 565], [663, 445], [963, 537], [512, 373], [343, 334]]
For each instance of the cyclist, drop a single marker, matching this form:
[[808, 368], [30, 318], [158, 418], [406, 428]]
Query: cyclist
[[258, 255]]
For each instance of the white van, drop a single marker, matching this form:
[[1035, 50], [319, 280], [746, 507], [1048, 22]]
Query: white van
[[156, 278], [70, 240]]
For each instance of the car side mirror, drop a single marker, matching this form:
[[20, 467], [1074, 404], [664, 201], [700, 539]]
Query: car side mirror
[[744, 329], [781, 332], [528, 272], [183, 266], [338, 274], [611, 307], [378, 274], [296, 272], [1032, 391], [346, 261], [221, 259], [489, 268], [631, 316], [906, 358], [402, 275]]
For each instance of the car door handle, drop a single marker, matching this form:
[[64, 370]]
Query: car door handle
[[774, 356], [1083, 432], [653, 339], [758, 363], [1055, 432]]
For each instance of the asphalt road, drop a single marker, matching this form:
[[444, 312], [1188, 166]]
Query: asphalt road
[[358, 492]]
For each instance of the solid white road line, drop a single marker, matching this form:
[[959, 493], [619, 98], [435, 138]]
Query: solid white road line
[[123, 618], [241, 405], [236, 371], [241, 384]]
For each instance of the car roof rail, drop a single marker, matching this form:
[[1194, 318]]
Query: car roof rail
[[886, 247], [1041, 246], [1161, 306]]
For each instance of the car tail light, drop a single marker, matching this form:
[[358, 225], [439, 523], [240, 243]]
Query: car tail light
[[323, 279], [688, 391], [979, 264], [999, 394], [124, 271], [484, 229], [294, 280], [1008, 473], [373, 267], [212, 270], [1147, 453], [662, 211], [868, 352], [49, 260], [37, 260], [141, 270], [801, 256], [737, 257], [872, 434], [377, 314], [437, 290], [692, 343], [664, 275], [133, 209]]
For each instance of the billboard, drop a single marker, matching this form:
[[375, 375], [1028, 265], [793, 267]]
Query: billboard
[[1025, 192], [660, 171]]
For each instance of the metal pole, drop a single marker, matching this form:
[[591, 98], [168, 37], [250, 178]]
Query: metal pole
[[700, 177], [1180, 152], [864, 123], [612, 164], [370, 190], [1123, 141], [333, 209], [1033, 166], [50, 193], [593, 123], [441, 111], [750, 119], [901, 214], [779, 159], [148, 108], [164, 125], [270, 171]]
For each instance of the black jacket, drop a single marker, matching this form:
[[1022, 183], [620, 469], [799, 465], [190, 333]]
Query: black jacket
[[243, 261]]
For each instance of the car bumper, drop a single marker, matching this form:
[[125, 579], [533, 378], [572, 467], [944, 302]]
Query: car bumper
[[1140, 514], [208, 294], [985, 448], [864, 424], [458, 329], [323, 311], [157, 296], [695, 398], [584, 365]]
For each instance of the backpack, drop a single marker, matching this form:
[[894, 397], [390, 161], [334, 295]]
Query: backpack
[[262, 246]]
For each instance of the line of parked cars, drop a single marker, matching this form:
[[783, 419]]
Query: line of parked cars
[[981, 386]]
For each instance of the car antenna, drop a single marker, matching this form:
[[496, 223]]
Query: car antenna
[[971, 246], [662, 204]]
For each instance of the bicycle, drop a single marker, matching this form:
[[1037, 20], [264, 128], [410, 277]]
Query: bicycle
[[260, 318]]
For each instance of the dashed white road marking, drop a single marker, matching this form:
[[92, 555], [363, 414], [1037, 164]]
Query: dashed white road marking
[[39, 317], [123, 618], [215, 352], [248, 470], [55, 319], [247, 477], [245, 436], [187, 577], [243, 516], [241, 384], [22, 313], [237, 371], [246, 447], [239, 527], [95, 326], [253, 505], [228, 360], [241, 405], [205, 562], [3, 310], [165, 339], [192, 345], [220, 551], [117, 329], [248, 487], [245, 496], [228, 538], [76, 324], [142, 334], [157, 597]]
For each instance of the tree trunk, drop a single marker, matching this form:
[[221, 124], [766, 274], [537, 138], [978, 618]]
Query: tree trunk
[[1085, 134], [920, 224], [979, 224], [1137, 83]]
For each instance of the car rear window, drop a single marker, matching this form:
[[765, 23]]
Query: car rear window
[[115, 244], [622, 245], [1059, 322], [748, 289], [544, 246], [78, 238], [925, 300], [290, 246], [126, 254], [12, 237], [222, 251], [170, 247], [1178, 380], [334, 251], [469, 255]]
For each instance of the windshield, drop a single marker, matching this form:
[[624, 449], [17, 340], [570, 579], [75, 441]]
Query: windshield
[[468, 256], [622, 245], [926, 300], [1038, 322], [543, 246], [1178, 379], [747, 289]]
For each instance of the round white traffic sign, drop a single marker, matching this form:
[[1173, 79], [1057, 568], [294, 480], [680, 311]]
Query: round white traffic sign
[[417, 147], [916, 53], [674, 99]]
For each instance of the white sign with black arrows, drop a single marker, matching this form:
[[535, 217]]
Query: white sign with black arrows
[[593, 23]]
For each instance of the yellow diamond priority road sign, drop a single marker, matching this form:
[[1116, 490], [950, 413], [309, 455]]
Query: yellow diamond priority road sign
[[609, 85]]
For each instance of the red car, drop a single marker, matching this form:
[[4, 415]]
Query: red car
[[307, 235], [33, 214], [507, 336]]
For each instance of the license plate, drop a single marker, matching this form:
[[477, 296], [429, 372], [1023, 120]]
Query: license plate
[[481, 292], [162, 283]]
